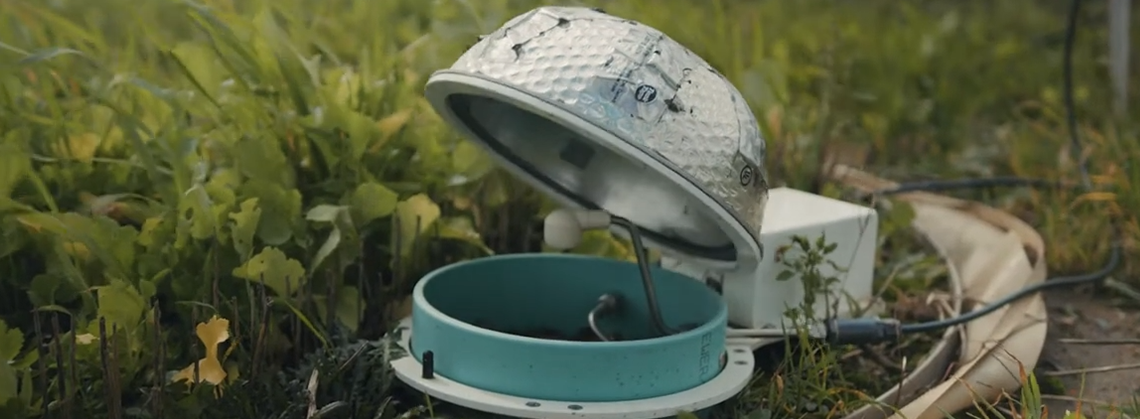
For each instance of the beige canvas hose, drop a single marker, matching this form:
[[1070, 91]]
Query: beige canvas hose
[[990, 253]]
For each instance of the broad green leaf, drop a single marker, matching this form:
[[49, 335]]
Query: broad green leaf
[[327, 248], [198, 62], [121, 304], [462, 229], [37, 222], [11, 342], [147, 289], [12, 239], [222, 200], [260, 158], [149, 231], [131, 127], [280, 210], [245, 227], [325, 213], [113, 241], [196, 209], [280, 273], [14, 165], [336, 216], [8, 383], [25, 382], [415, 216], [82, 236], [390, 125], [469, 163], [79, 147], [347, 307], [27, 360], [43, 288], [360, 129], [371, 201]]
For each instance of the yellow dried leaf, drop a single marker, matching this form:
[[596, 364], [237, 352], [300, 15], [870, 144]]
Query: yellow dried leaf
[[392, 123], [1105, 179], [389, 126], [31, 224], [415, 214], [80, 147], [1097, 197], [775, 119], [1108, 197], [85, 339], [212, 333], [77, 250], [146, 235], [461, 203]]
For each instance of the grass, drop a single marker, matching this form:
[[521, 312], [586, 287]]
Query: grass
[[179, 120]]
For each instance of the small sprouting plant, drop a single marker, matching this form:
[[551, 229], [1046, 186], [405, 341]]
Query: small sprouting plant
[[803, 384], [806, 259]]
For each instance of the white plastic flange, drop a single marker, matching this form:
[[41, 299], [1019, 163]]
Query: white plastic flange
[[732, 379], [563, 228]]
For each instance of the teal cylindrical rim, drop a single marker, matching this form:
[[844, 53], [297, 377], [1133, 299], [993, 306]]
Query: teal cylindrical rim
[[420, 300]]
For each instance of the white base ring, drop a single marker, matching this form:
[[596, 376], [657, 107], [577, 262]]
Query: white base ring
[[731, 380]]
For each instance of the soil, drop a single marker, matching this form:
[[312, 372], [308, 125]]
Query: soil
[[1091, 355], [1093, 341], [881, 366]]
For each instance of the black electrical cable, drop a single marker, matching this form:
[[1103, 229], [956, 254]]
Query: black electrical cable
[[871, 330], [1067, 88], [646, 275], [979, 183]]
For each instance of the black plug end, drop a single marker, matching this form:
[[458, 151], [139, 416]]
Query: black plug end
[[862, 331]]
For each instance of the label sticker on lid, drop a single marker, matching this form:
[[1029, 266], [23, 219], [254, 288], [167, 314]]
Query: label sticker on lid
[[746, 173]]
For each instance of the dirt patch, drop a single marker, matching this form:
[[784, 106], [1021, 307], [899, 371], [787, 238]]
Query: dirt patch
[[882, 366], [1079, 347]]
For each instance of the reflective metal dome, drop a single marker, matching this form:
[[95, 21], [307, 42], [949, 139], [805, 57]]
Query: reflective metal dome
[[604, 112]]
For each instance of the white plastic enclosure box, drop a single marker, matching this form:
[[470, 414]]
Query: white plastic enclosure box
[[758, 300]]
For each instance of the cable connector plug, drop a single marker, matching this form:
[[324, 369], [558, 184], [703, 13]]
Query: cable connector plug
[[862, 331]]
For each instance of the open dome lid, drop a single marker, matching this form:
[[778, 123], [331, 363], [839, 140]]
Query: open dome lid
[[600, 112]]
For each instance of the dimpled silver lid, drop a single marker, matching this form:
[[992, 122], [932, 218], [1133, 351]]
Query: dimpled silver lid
[[697, 174]]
